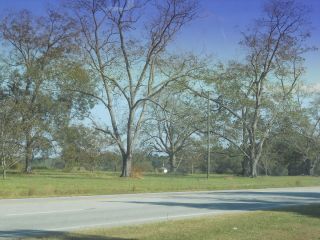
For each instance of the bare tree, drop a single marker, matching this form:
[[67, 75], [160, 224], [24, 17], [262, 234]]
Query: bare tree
[[170, 128], [126, 53], [275, 46], [253, 93]]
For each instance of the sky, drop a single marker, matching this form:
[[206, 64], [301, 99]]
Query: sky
[[216, 32]]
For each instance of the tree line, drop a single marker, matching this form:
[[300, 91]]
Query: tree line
[[159, 106]]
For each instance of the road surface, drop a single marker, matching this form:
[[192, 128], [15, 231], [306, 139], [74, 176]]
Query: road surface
[[27, 217]]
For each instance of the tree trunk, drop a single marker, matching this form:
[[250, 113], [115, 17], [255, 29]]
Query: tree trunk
[[28, 158], [172, 162], [126, 165], [314, 165], [266, 167], [245, 167], [254, 166], [307, 165], [127, 155], [192, 168], [4, 170]]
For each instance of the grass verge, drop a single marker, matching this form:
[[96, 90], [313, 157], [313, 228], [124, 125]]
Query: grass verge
[[294, 223], [59, 183]]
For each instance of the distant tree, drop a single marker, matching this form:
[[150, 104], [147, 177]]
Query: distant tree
[[193, 159], [303, 137], [83, 147], [169, 128]]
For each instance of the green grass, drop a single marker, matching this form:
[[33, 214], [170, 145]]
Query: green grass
[[58, 183], [293, 223]]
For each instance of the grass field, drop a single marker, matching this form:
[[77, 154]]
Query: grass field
[[58, 183], [293, 223]]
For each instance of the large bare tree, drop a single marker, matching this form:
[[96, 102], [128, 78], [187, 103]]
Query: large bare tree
[[253, 93], [126, 51]]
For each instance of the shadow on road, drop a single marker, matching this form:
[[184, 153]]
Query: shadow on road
[[246, 200], [35, 234], [315, 195]]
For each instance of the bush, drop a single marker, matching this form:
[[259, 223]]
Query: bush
[[137, 172]]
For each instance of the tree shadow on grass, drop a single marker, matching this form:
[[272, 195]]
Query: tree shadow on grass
[[311, 210], [38, 234]]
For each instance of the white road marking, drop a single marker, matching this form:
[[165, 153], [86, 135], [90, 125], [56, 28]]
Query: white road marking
[[121, 223], [39, 213]]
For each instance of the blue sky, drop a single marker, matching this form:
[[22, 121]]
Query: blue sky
[[216, 31]]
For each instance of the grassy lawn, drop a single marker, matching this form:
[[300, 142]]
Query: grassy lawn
[[58, 183], [293, 223]]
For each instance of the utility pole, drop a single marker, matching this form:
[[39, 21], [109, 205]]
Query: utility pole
[[208, 132]]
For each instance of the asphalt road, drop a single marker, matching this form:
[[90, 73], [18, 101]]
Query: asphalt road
[[27, 217]]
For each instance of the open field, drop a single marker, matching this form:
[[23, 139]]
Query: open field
[[293, 223], [57, 183]]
